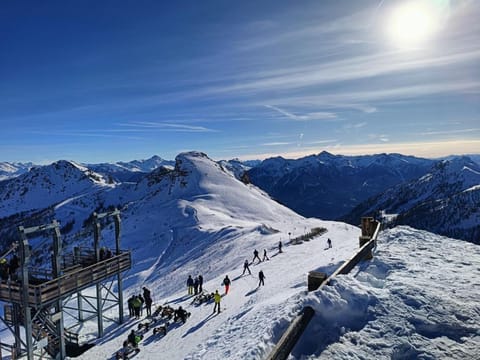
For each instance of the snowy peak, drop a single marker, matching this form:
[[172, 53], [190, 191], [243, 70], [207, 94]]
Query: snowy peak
[[45, 186], [11, 170], [147, 165], [132, 171]]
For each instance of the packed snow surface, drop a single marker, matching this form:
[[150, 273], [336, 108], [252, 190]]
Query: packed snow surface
[[417, 299], [252, 317]]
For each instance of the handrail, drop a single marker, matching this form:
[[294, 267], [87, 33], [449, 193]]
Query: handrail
[[69, 282], [290, 337]]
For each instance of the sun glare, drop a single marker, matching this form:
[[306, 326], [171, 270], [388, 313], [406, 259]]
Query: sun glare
[[412, 23]]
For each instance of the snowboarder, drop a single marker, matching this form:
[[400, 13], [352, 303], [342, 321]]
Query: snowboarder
[[190, 285], [227, 283], [265, 255], [280, 247], [255, 256], [217, 297], [195, 286], [329, 243], [261, 277], [245, 267], [200, 283]]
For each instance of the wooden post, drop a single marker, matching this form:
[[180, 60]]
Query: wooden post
[[315, 279], [291, 335]]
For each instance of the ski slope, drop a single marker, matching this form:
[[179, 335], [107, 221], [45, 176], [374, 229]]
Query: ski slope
[[252, 317], [416, 299]]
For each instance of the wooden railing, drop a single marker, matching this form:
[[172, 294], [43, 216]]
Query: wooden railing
[[290, 337], [67, 284]]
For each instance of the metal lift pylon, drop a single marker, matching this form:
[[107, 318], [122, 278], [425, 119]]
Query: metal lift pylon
[[39, 305]]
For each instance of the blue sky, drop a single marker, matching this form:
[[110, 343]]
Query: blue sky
[[96, 81]]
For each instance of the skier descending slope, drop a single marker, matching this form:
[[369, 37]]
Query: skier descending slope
[[245, 268]]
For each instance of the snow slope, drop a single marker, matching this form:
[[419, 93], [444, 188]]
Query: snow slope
[[252, 318], [417, 299]]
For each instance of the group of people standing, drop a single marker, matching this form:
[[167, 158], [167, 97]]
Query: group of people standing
[[135, 304], [194, 286]]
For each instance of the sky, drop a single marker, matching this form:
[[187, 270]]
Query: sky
[[108, 81]]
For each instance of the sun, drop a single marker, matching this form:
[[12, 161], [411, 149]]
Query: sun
[[412, 24]]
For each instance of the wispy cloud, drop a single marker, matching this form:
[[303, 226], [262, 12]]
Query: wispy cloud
[[276, 143], [459, 131], [305, 117], [163, 126]]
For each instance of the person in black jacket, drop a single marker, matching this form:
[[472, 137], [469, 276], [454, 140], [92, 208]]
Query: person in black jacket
[[227, 283], [261, 278], [200, 283], [148, 300], [190, 285], [195, 286], [265, 257], [255, 256], [246, 268]]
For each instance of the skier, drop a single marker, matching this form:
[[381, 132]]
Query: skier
[[255, 256], [195, 286], [280, 247], [200, 283], [217, 297], [261, 277], [329, 243], [245, 267], [226, 282], [265, 255], [190, 285]]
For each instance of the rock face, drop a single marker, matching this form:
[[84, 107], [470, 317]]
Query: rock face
[[328, 186], [446, 201]]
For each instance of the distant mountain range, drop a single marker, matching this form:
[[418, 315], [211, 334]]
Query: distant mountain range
[[437, 195], [328, 186], [446, 201]]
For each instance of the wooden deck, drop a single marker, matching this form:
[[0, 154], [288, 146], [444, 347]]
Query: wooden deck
[[73, 280]]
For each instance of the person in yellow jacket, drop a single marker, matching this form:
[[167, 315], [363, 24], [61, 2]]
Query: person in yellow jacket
[[217, 297]]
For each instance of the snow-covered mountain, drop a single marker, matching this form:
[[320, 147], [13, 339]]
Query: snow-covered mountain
[[327, 185], [131, 171], [198, 218], [49, 185], [445, 201], [10, 170]]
